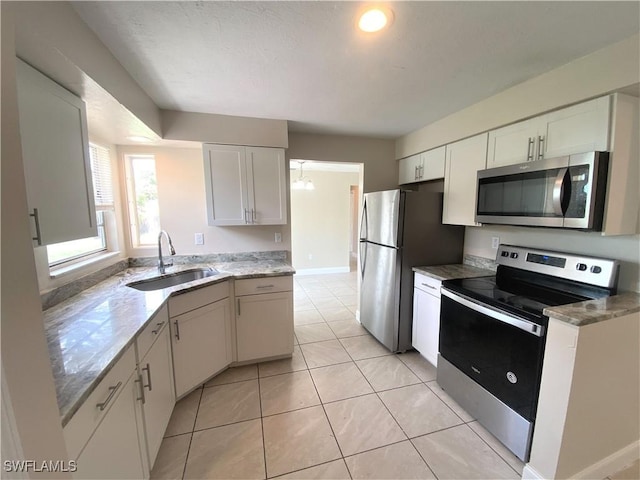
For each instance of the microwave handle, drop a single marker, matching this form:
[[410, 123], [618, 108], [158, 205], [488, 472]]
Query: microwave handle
[[560, 191]]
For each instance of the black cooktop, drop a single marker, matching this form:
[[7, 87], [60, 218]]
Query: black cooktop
[[525, 294]]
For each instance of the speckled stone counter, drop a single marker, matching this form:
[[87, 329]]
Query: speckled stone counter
[[88, 333], [594, 311], [449, 272]]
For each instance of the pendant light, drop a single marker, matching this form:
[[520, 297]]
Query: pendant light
[[302, 182]]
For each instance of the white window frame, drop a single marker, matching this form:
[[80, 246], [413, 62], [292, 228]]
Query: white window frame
[[132, 209]]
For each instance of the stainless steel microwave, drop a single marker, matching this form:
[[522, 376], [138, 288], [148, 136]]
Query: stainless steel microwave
[[562, 192]]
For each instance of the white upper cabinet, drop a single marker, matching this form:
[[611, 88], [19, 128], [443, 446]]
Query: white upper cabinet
[[464, 159], [422, 166], [55, 150], [245, 185], [577, 129]]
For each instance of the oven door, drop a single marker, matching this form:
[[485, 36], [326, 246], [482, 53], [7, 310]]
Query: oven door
[[499, 351]]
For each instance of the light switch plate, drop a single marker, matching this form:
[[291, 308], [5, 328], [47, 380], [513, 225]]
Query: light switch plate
[[278, 237], [495, 242], [199, 238]]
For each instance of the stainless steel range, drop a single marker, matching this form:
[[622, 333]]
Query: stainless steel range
[[493, 333]]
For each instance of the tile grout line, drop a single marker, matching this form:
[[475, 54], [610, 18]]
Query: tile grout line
[[186, 459], [493, 449], [264, 442]]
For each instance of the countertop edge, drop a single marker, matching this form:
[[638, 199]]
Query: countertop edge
[[590, 312], [452, 271]]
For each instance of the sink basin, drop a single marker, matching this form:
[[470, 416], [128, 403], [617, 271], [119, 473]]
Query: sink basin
[[157, 283]]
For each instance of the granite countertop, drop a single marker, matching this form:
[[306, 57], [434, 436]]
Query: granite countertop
[[448, 272], [594, 311], [89, 332]]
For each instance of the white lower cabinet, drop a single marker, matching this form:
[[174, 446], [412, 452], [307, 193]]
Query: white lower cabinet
[[155, 372], [426, 316], [106, 435], [201, 341], [264, 321]]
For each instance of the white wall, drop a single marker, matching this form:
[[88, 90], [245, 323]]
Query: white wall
[[181, 191], [321, 220], [477, 241], [27, 376], [609, 69]]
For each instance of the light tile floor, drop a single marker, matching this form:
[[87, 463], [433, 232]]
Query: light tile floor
[[341, 407]]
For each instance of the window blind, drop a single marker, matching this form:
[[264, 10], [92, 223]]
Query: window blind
[[102, 179]]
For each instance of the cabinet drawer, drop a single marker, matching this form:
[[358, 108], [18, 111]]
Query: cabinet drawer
[[197, 298], [427, 284], [253, 286], [152, 331], [86, 419]]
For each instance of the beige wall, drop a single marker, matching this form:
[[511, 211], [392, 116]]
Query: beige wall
[[321, 220], [604, 71], [181, 191], [380, 169], [477, 241], [27, 377]]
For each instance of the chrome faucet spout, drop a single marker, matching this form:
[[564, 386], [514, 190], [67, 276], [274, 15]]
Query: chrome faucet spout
[[161, 263]]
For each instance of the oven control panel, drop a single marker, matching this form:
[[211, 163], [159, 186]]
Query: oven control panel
[[591, 270]]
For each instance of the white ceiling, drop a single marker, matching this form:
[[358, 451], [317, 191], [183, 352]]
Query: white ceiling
[[306, 63]]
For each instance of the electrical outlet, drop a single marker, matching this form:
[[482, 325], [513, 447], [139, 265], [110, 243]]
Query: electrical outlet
[[199, 238], [495, 242], [278, 237]]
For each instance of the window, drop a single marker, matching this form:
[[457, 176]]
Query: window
[[65, 252], [144, 211]]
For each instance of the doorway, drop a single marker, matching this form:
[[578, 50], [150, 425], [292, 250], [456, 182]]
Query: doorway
[[325, 203]]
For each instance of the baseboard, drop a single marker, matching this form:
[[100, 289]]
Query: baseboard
[[321, 271], [528, 473], [611, 464], [602, 469]]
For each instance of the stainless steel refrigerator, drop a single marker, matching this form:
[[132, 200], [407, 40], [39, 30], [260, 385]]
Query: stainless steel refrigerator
[[400, 230]]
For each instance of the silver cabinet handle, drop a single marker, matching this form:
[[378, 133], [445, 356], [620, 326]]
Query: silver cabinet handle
[[246, 215], [238, 303], [421, 171], [265, 286], [177, 330], [415, 173], [112, 392], [429, 286], [141, 397], [540, 147], [158, 327], [36, 219], [530, 149], [148, 370]]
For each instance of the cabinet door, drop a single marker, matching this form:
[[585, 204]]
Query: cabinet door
[[201, 341], [577, 129], [426, 324], [226, 184], [267, 188], [55, 148], [156, 370], [513, 144], [432, 164], [114, 449], [264, 325], [464, 159], [408, 169]]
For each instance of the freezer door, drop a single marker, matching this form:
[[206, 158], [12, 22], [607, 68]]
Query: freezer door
[[382, 218], [380, 293]]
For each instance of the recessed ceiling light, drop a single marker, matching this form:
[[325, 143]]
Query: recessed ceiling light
[[139, 139], [375, 19]]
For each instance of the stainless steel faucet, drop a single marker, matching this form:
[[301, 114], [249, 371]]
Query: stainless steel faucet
[[161, 264]]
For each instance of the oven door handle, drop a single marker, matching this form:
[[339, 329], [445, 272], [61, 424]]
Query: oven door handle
[[496, 314]]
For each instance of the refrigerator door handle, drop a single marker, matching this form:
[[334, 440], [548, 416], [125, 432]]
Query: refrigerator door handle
[[364, 223], [363, 257]]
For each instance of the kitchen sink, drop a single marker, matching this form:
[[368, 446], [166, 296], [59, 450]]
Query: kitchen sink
[[173, 279]]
